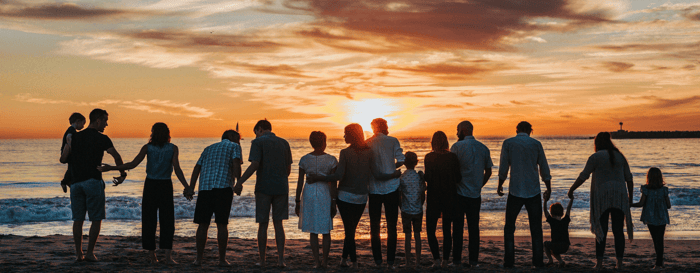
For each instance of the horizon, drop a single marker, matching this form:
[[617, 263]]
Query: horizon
[[572, 67]]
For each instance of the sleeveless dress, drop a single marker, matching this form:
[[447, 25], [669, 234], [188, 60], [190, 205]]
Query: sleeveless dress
[[315, 211]]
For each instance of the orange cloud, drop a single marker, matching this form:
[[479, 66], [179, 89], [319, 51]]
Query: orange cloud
[[617, 66]]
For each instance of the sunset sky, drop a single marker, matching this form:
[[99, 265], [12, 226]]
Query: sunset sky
[[570, 67]]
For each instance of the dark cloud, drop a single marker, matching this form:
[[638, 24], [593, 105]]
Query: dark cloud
[[452, 71], [186, 39], [689, 67], [517, 102], [661, 103], [65, 11], [617, 66], [414, 25], [278, 70]]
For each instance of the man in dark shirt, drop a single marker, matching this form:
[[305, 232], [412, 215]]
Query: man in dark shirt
[[271, 158], [88, 189]]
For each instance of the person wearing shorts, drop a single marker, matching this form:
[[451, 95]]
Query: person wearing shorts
[[217, 168], [271, 159], [412, 187], [87, 193]]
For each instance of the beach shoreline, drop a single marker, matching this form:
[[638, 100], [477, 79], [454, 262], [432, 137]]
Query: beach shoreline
[[124, 253]]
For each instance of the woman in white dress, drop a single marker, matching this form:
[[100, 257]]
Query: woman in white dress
[[314, 204]]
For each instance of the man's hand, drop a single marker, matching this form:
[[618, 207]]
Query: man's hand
[[571, 193], [547, 194], [238, 188], [500, 190], [297, 207], [119, 179], [396, 174], [422, 175]]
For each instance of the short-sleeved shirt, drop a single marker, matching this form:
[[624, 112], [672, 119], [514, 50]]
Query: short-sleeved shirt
[[87, 149], [412, 187], [216, 161], [560, 229], [275, 156], [387, 152], [655, 211], [474, 157], [525, 158]]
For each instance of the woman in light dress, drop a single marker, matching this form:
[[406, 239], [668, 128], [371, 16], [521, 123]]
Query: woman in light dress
[[610, 196], [315, 205]]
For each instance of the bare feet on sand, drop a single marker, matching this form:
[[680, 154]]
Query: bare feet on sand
[[344, 263], [151, 257], [170, 261], [598, 265], [281, 264], [224, 263], [90, 257], [197, 262], [80, 258]]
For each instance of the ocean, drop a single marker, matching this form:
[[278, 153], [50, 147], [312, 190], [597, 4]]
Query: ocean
[[32, 203]]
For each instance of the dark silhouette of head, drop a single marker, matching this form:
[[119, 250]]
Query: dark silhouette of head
[[603, 141], [439, 142], [655, 180], [379, 125], [317, 139], [524, 127], [231, 135], [465, 128], [556, 209], [411, 160], [261, 127], [355, 136], [98, 119], [160, 134], [75, 117]]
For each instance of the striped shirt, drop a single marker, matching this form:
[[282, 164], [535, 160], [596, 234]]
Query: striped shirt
[[216, 163]]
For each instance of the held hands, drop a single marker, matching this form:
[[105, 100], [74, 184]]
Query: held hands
[[238, 188], [500, 190], [571, 194], [396, 174], [547, 194], [188, 193], [334, 210], [119, 179], [297, 207]]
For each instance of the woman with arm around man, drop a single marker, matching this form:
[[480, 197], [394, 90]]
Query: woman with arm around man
[[354, 169]]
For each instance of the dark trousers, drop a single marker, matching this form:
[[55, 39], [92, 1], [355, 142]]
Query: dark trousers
[[533, 205], [157, 203], [350, 214], [391, 211], [657, 235], [471, 207], [432, 214], [618, 220]]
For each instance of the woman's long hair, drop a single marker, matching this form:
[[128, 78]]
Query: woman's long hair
[[160, 134], [439, 142], [355, 136], [603, 141], [655, 180]]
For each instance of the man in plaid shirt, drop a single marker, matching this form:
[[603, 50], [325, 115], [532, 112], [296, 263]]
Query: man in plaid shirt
[[217, 167]]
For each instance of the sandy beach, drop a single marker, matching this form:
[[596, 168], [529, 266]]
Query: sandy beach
[[117, 253]]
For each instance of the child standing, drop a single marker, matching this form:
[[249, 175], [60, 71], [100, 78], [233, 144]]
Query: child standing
[[317, 207], [655, 203], [412, 189], [77, 122], [559, 226]]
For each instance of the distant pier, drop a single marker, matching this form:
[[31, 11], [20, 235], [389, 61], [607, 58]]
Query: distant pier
[[623, 134]]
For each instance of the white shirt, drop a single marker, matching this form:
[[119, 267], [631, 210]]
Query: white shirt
[[387, 152], [474, 157], [522, 154]]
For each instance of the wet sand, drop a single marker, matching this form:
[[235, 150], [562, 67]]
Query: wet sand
[[117, 253]]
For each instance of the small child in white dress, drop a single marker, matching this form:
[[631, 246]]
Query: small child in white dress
[[314, 204]]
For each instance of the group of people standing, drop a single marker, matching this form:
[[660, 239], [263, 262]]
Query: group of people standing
[[367, 172]]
